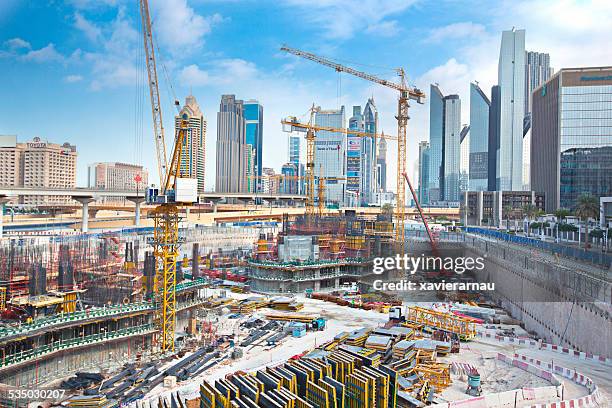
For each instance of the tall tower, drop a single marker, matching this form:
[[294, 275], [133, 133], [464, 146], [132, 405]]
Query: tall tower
[[354, 170], [423, 172], [330, 155], [436, 138], [193, 158], [253, 115], [368, 153], [381, 166], [511, 81], [537, 72], [231, 146], [479, 139]]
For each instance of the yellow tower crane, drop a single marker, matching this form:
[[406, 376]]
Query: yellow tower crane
[[406, 93], [174, 191]]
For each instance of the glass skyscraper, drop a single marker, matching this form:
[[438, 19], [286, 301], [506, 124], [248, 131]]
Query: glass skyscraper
[[253, 115], [451, 154], [511, 81], [368, 153], [572, 136], [330, 153], [479, 139], [423, 172], [354, 172], [436, 137], [231, 149]]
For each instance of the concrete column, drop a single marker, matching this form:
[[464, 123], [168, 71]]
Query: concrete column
[[3, 201], [84, 200], [137, 201]]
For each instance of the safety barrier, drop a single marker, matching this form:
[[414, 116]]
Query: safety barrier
[[74, 317], [545, 346]]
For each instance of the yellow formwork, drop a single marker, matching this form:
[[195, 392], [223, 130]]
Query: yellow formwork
[[466, 329]]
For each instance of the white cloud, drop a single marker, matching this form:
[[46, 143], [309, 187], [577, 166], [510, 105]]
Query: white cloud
[[42, 55], [342, 19], [384, 28], [177, 25], [192, 75], [73, 78], [91, 31], [17, 44], [456, 31], [93, 4], [224, 71]]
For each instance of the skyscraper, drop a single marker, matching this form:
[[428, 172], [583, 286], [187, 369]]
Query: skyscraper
[[444, 142], [464, 158], [330, 153], [537, 71], [193, 158], [253, 115], [381, 166], [231, 146], [494, 130], [368, 153], [511, 81], [479, 139], [354, 170], [423, 172], [289, 182], [572, 136], [294, 149]]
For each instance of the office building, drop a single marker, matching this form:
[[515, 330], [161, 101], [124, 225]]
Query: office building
[[231, 146], [38, 164], [253, 116], [354, 170], [444, 145], [537, 71], [479, 139], [511, 81], [494, 139], [368, 153], [294, 149], [289, 183], [193, 158], [486, 208], [423, 193], [572, 136], [381, 166], [330, 154], [270, 182], [118, 177]]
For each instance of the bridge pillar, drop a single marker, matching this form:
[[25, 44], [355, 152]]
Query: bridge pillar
[[84, 200], [137, 201], [3, 201]]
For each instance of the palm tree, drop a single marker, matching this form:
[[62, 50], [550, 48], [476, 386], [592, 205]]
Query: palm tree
[[561, 213], [507, 210], [530, 211], [587, 207], [387, 209]]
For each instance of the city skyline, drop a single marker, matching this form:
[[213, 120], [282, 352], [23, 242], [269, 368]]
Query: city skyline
[[93, 54]]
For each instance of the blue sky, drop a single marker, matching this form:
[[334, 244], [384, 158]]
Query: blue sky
[[73, 70]]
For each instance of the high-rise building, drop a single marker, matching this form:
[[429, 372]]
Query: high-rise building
[[354, 170], [253, 115], [444, 144], [269, 181], [381, 166], [464, 158], [289, 182], [423, 172], [479, 139], [537, 71], [118, 177], [330, 154], [368, 153], [193, 158], [511, 81], [231, 146], [294, 157], [38, 164], [493, 148], [572, 136]]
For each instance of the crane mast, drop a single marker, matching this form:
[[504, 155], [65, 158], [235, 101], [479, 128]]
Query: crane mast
[[158, 127], [406, 93]]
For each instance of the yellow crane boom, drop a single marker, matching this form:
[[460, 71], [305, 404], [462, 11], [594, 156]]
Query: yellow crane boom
[[406, 93]]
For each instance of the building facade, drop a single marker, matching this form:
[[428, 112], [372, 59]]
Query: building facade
[[253, 115], [231, 166], [354, 169], [117, 176], [436, 140], [494, 139], [270, 182], [423, 172], [537, 71], [193, 158], [289, 183], [572, 136], [464, 160], [486, 208], [38, 164], [479, 139], [511, 81], [368, 153], [381, 166], [330, 155]]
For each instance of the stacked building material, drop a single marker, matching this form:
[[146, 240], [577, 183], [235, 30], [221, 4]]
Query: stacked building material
[[379, 343], [358, 337], [403, 348], [286, 304], [91, 401]]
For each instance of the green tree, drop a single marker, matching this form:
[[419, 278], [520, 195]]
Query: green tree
[[587, 207], [387, 209], [507, 210], [561, 213]]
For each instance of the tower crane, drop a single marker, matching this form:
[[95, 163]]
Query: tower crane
[[173, 192], [406, 93]]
